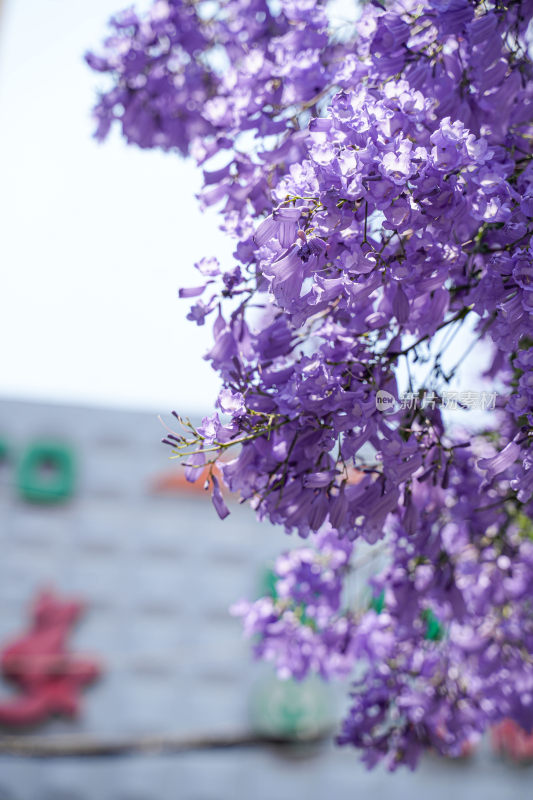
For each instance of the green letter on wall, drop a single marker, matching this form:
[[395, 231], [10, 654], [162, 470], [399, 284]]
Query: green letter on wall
[[46, 473]]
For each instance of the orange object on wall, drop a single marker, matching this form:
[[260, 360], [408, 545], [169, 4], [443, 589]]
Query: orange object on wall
[[174, 480]]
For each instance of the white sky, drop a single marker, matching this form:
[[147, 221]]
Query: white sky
[[95, 239]]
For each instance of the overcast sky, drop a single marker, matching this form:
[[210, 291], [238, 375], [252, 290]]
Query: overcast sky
[[95, 239]]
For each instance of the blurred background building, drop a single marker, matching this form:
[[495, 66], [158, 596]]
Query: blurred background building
[[158, 571]]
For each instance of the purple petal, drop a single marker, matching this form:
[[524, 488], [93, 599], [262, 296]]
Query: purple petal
[[218, 501]]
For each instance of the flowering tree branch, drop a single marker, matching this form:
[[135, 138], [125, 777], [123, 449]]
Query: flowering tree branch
[[378, 182]]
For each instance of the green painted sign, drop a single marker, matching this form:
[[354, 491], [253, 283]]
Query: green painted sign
[[46, 473]]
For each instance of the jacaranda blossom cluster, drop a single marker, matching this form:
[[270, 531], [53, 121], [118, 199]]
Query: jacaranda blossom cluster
[[376, 174]]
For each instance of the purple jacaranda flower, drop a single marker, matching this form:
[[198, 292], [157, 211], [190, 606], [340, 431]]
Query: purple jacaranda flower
[[318, 511], [286, 275], [231, 403], [523, 272], [317, 480], [448, 144], [218, 501], [192, 291], [208, 266], [224, 349], [397, 165], [453, 16], [282, 225], [390, 36], [199, 311], [501, 461], [274, 340], [193, 466]]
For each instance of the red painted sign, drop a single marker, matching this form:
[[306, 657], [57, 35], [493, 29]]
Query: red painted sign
[[48, 677], [509, 739]]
